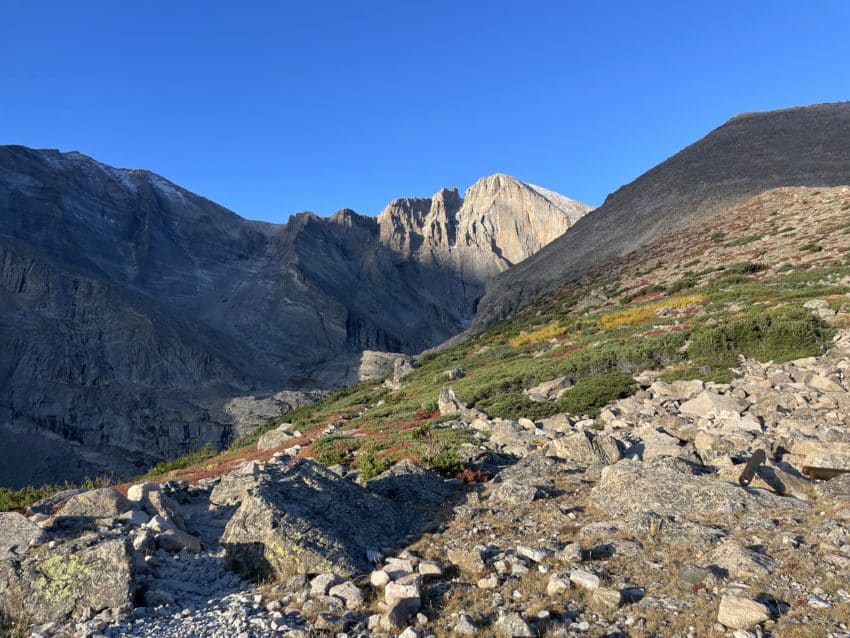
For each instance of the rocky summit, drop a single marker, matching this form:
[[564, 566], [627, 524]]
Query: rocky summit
[[141, 321]]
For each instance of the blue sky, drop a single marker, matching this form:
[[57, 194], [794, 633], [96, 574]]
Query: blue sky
[[277, 107]]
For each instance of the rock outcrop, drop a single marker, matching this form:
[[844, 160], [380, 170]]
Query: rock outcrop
[[302, 518], [142, 321]]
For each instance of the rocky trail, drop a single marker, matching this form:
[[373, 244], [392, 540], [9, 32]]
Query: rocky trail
[[633, 523]]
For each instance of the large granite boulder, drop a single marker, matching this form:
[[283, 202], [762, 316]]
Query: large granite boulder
[[672, 486], [67, 582], [584, 448], [304, 519]]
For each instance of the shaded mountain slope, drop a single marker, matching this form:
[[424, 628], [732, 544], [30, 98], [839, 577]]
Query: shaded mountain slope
[[141, 320], [749, 154]]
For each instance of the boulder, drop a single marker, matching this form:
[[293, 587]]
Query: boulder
[[304, 518], [737, 612], [448, 402], [549, 390], [101, 503], [68, 582], [275, 438], [412, 487], [738, 562], [512, 625], [669, 486], [707, 405], [154, 502], [17, 533], [585, 448]]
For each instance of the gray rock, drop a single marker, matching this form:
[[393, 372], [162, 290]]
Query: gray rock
[[101, 503], [304, 518], [586, 448], [350, 593], [68, 581], [17, 534], [709, 404], [512, 625], [669, 488], [737, 612], [276, 438]]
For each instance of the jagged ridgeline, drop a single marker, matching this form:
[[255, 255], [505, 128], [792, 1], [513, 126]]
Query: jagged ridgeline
[[141, 321]]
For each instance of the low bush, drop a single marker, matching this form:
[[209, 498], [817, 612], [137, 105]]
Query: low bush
[[206, 452], [590, 394], [370, 464], [775, 335]]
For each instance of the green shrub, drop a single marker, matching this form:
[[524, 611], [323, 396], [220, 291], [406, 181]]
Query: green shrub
[[745, 268], [445, 461], [776, 335], [590, 394], [332, 450], [370, 464], [206, 452], [743, 241], [681, 284]]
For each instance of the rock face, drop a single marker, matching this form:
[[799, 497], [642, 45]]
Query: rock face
[[748, 155], [141, 321], [304, 519]]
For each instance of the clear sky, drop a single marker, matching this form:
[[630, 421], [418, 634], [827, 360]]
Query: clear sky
[[270, 108]]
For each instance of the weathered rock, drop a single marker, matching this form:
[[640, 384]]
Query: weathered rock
[[321, 584], [276, 438], [232, 488], [512, 625], [739, 562], [558, 583], [549, 390], [629, 487], [606, 598], [17, 534], [585, 579], [412, 488], [586, 448], [737, 612], [396, 591], [514, 493], [375, 364], [68, 581], [448, 403], [101, 503], [151, 498], [304, 518], [709, 404], [350, 593], [468, 561]]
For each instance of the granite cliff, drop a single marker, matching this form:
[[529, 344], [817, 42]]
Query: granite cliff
[[140, 321]]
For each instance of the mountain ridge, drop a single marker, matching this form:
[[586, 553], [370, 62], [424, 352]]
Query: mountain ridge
[[750, 153], [216, 306]]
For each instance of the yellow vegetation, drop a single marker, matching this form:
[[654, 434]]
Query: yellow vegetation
[[634, 316], [541, 334]]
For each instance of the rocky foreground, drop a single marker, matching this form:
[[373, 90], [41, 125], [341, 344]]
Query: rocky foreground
[[631, 524]]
